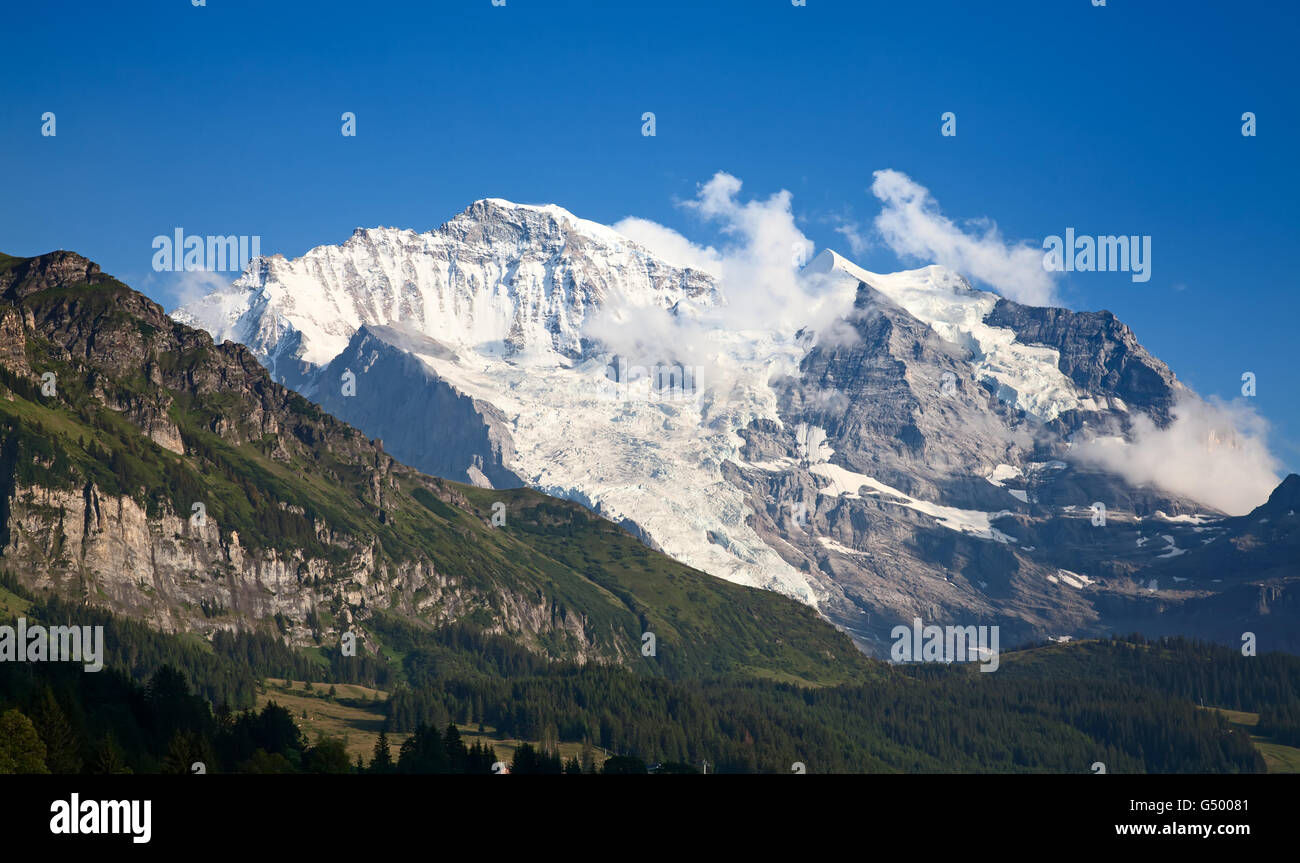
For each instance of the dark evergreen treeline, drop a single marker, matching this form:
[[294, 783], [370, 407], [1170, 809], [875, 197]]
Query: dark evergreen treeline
[[957, 723], [1130, 703], [427, 751], [1282, 723], [920, 718], [224, 672], [1199, 671], [104, 723]]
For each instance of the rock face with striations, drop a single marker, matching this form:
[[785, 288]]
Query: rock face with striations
[[1098, 352], [443, 431], [120, 539]]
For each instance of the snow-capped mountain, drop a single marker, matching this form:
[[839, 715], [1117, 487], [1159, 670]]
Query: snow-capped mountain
[[499, 278], [913, 459]]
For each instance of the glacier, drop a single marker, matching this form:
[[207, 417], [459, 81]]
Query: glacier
[[526, 310]]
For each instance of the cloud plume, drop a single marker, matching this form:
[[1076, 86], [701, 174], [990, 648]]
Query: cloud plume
[[1213, 452], [913, 226], [756, 266]]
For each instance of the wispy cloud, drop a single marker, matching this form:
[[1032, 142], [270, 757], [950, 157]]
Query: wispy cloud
[[756, 265], [176, 289], [1213, 452], [914, 227], [858, 240], [670, 246]]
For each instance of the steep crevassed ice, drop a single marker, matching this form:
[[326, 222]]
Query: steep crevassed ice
[[635, 454], [508, 287]]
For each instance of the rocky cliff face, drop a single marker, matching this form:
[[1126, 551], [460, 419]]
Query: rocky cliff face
[[931, 489], [901, 403], [180, 577], [1097, 351], [121, 355], [117, 357], [108, 550], [438, 429]]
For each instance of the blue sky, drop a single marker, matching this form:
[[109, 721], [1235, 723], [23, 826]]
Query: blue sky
[[1124, 119]]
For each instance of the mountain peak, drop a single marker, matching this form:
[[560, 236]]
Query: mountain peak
[[293, 497], [829, 260], [500, 210], [20, 277], [1285, 497], [497, 278], [932, 277]]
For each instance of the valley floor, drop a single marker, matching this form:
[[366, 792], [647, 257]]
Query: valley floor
[[1279, 757], [354, 715]]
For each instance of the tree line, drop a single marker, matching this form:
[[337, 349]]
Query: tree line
[[162, 703]]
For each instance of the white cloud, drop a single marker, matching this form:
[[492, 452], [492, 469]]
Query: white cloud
[[1213, 452], [757, 271], [914, 227], [187, 286], [743, 335], [858, 241], [759, 267], [670, 246]]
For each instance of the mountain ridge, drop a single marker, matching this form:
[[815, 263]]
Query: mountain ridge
[[306, 523], [956, 410]]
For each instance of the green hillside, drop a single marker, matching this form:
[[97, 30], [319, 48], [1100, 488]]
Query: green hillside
[[318, 490]]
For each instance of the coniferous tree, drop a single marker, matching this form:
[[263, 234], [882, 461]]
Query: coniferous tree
[[329, 755], [381, 760], [62, 748], [525, 761], [21, 749], [185, 750], [457, 756], [108, 758]]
